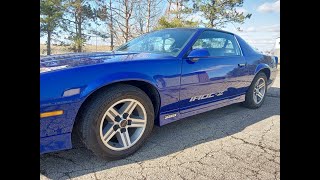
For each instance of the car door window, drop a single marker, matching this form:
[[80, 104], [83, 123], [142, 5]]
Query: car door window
[[218, 43], [155, 44]]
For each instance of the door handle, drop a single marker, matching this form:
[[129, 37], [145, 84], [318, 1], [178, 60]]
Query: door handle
[[242, 64]]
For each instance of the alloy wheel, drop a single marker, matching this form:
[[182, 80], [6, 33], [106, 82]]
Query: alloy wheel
[[259, 90], [123, 124]]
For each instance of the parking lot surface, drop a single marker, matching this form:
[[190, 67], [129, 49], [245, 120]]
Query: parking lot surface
[[228, 143]]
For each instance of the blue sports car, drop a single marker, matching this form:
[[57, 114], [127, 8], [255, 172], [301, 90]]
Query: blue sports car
[[111, 100]]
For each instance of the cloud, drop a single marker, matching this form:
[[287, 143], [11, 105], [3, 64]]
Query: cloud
[[261, 41], [251, 29], [270, 28], [260, 37], [263, 44], [270, 7]]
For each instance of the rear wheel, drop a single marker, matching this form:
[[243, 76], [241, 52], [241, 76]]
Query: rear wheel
[[256, 92], [116, 122]]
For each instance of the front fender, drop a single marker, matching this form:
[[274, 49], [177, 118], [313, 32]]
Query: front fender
[[88, 79], [114, 78]]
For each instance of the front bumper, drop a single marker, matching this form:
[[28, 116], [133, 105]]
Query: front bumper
[[55, 143], [55, 131]]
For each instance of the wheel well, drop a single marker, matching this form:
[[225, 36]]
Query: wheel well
[[149, 89], [266, 71]]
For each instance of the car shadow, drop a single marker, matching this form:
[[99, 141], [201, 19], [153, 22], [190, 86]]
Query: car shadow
[[165, 140]]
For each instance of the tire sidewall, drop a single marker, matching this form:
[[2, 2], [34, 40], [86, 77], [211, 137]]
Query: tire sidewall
[[94, 133], [249, 96]]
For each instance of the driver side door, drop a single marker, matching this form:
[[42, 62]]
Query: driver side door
[[212, 80]]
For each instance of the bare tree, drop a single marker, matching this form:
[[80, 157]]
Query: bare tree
[[106, 14], [124, 19], [140, 17], [153, 11], [111, 25], [168, 10], [147, 13], [178, 3], [176, 8]]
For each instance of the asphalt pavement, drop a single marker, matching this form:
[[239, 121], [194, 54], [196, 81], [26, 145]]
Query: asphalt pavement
[[228, 143]]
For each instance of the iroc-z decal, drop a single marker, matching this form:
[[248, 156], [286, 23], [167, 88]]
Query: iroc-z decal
[[205, 96]]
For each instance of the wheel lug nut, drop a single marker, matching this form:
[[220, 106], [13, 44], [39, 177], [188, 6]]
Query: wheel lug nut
[[122, 130], [115, 127], [129, 122], [125, 115], [117, 119]]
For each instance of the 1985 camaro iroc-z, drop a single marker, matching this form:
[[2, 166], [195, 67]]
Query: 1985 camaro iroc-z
[[112, 100]]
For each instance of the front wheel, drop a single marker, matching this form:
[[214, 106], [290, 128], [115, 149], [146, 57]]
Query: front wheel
[[116, 122], [256, 92]]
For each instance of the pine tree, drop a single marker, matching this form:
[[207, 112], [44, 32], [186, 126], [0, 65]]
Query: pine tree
[[51, 12]]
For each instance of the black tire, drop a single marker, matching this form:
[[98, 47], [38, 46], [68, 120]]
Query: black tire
[[91, 116], [249, 101]]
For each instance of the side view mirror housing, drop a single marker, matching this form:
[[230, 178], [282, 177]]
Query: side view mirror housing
[[196, 54]]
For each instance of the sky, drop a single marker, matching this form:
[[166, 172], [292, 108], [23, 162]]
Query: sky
[[260, 31]]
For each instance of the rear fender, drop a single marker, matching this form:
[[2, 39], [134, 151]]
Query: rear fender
[[263, 67]]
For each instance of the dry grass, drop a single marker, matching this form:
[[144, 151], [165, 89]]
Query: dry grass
[[66, 49]]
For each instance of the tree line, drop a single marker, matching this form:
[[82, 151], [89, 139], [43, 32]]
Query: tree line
[[122, 20]]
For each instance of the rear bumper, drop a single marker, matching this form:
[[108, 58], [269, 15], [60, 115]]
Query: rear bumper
[[270, 83], [272, 78]]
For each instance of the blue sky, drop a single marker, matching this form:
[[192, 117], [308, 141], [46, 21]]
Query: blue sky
[[260, 31]]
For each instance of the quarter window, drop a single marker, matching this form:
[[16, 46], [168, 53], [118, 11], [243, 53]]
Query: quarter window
[[217, 43]]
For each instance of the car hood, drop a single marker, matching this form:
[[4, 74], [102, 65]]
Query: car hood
[[71, 60]]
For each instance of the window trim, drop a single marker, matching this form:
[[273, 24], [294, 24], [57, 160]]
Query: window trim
[[241, 52], [240, 55], [193, 32]]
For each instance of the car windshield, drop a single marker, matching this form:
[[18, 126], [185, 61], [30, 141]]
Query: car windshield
[[167, 41]]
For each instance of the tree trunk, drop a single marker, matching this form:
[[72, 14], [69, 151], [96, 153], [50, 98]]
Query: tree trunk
[[148, 16], [111, 26], [211, 23], [78, 29], [177, 12], [126, 35], [49, 43], [79, 48], [111, 41]]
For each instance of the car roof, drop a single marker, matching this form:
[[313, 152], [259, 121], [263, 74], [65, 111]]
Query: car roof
[[202, 28]]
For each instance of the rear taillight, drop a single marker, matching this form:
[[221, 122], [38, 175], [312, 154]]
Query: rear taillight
[[276, 59]]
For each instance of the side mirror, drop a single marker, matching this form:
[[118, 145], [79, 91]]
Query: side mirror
[[196, 54]]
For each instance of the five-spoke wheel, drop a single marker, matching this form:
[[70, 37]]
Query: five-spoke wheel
[[123, 124], [257, 91], [115, 122]]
